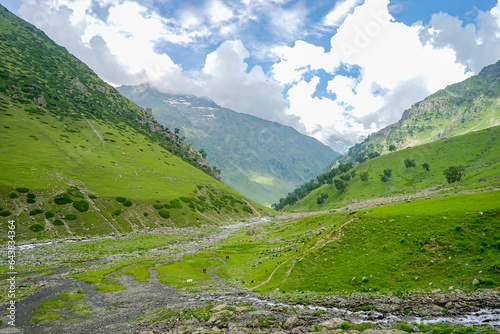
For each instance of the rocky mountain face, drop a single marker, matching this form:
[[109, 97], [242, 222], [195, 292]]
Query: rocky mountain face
[[467, 106], [262, 160]]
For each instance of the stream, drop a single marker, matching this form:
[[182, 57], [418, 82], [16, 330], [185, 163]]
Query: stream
[[487, 317]]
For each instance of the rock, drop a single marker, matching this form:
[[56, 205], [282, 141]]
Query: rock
[[251, 232], [218, 308], [290, 322], [240, 309], [331, 323], [450, 288], [475, 281], [449, 305], [296, 331], [437, 308], [436, 291]]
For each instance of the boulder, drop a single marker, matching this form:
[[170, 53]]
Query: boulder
[[437, 308], [218, 308], [475, 281], [290, 322], [331, 323]]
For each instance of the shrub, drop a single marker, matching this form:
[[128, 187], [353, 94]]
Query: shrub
[[81, 206], [31, 196], [74, 191], [35, 212], [158, 206], [62, 199], [13, 195], [92, 196], [120, 199], [486, 281], [49, 214], [70, 216], [36, 228], [185, 199], [146, 214], [404, 326], [5, 213], [175, 204], [164, 214], [345, 325], [30, 200], [117, 212], [58, 222], [127, 203], [247, 209], [22, 190]]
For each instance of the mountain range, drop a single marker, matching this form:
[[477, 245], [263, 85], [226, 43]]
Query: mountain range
[[262, 160]]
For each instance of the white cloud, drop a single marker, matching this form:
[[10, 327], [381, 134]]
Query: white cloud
[[338, 14], [475, 45], [219, 12]]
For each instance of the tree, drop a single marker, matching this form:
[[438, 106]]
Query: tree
[[176, 131], [340, 185], [360, 159], [386, 176], [388, 172], [454, 174], [203, 153], [353, 174], [409, 164], [345, 177], [364, 177], [392, 147], [426, 167], [372, 155]]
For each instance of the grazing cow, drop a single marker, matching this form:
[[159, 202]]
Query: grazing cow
[[189, 281], [205, 270], [227, 257]]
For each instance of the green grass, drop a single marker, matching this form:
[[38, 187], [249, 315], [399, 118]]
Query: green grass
[[478, 153], [139, 271], [418, 246], [176, 273], [50, 310]]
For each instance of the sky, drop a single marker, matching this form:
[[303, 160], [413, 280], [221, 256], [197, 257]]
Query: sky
[[334, 70]]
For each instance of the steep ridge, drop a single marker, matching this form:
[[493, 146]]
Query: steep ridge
[[262, 160], [77, 158], [471, 105]]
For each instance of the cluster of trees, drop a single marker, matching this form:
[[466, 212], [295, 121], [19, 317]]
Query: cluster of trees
[[305, 189], [453, 175]]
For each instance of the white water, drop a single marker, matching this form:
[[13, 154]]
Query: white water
[[490, 317]]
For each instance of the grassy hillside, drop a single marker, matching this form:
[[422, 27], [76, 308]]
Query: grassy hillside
[[65, 131], [425, 245], [478, 152], [467, 106], [262, 160]]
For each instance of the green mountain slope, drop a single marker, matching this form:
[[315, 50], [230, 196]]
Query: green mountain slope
[[77, 158], [478, 152], [262, 160], [467, 106]]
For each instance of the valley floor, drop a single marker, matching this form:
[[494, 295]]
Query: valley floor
[[228, 279]]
